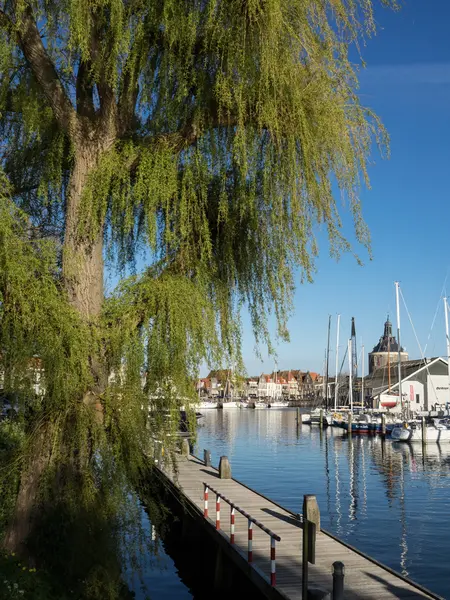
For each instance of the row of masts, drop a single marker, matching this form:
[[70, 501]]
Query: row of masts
[[351, 350], [352, 360]]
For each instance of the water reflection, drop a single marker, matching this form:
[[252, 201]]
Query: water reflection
[[403, 538], [389, 500]]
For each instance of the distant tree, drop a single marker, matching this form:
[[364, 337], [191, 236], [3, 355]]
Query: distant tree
[[199, 138]]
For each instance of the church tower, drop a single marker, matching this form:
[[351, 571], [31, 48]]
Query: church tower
[[386, 350]]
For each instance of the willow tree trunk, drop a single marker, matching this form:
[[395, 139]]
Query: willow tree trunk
[[82, 257], [83, 282], [83, 265]]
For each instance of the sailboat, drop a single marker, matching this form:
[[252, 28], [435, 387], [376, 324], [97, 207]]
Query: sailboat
[[258, 403], [318, 413], [228, 401], [436, 430], [277, 400], [205, 403], [363, 423]]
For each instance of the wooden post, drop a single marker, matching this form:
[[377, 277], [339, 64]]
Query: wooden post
[[207, 458], [299, 420], [224, 468], [158, 449], [308, 555], [383, 424], [321, 418], [350, 419], [305, 546], [185, 448], [311, 510], [424, 431]]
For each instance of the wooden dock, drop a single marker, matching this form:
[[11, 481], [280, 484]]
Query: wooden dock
[[365, 578]]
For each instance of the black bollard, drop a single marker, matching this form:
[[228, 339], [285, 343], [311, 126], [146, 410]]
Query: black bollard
[[338, 580], [207, 458]]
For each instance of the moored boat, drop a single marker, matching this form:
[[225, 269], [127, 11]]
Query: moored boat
[[359, 426], [242, 403], [228, 404], [277, 404], [314, 417], [257, 404], [436, 431], [206, 404]]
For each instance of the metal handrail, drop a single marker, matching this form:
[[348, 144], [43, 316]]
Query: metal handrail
[[250, 521]]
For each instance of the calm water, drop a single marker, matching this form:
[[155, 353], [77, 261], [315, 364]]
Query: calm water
[[389, 500], [157, 575]]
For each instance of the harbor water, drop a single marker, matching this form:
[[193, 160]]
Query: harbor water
[[389, 500]]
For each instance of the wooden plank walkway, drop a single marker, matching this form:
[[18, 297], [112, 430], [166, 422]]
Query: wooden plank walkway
[[364, 579]]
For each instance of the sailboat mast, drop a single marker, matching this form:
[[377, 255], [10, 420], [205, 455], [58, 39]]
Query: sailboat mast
[[337, 363], [362, 375], [231, 387], [350, 378], [397, 302], [448, 341], [328, 358], [389, 360]]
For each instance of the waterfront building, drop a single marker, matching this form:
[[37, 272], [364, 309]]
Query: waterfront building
[[291, 383], [292, 386], [268, 387], [425, 385], [252, 387]]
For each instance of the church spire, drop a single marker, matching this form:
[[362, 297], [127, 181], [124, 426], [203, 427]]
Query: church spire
[[387, 329]]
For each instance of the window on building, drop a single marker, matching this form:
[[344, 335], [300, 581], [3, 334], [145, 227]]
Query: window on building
[[417, 398]]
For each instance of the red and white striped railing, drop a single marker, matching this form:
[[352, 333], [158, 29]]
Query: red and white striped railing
[[250, 522]]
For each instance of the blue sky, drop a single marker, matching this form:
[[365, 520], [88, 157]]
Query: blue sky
[[407, 82]]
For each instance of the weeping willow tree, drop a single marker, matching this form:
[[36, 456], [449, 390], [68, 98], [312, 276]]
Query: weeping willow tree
[[201, 139]]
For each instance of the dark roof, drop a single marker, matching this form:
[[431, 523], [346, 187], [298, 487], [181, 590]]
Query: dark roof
[[379, 378], [387, 342]]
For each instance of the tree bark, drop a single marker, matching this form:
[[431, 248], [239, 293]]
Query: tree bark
[[83, 281], [82, 257], [35, 463]]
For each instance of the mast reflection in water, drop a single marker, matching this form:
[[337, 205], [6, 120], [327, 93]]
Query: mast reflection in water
[[389, 500]]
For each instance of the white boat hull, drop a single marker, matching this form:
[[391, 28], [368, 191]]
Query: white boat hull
[[314, 418], [206, 404], [257, 405], [433, 435]]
